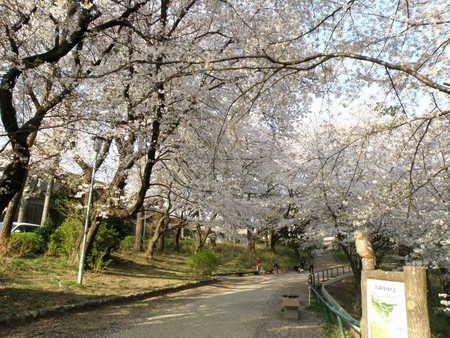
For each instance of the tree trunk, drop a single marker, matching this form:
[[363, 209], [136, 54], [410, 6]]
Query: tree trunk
[[90, 238], [273, 240], [212, 240], [151, 157], [154, 239], [162, 242], [139, 231], [199, 245], [297, 251], [267, 239], [177, 239], [92, 233], [356, 265], [15, 173], [48, 195], [8, 219], [251, 241], [202, 236]]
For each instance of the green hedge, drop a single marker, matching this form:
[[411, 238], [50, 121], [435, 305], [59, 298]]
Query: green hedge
[[27, 243]]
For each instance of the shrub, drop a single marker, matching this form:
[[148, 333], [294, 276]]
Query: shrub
[[340, 256], [204, 262], [64, 240], [107, 240], [45, 231], [187, 245], [169, 244], [127, 244], [27, 243]]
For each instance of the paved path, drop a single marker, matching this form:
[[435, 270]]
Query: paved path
[[235, 307]]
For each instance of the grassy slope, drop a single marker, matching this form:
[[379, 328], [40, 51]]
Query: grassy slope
[[236, 258], [36, 282], [32, 283]]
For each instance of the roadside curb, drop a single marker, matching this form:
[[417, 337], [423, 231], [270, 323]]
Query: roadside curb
[[59, 310], [237, 273]]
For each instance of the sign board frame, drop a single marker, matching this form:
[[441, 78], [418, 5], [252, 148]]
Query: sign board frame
[[413, 280], [374, 275]]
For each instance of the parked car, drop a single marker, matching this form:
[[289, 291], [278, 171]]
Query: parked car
[[22, 227]]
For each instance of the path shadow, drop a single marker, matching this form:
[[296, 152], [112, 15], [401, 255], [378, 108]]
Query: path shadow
[[127, 267], [17, 300]]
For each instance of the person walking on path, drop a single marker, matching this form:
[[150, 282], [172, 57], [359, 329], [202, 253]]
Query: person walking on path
[[276, 268], [258, 266]]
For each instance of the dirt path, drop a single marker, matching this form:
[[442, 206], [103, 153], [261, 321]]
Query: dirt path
[[235, 307]]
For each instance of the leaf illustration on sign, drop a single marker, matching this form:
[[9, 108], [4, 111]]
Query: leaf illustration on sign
[[384, 309]]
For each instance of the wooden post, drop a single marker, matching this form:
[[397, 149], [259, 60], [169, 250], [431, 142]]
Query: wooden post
[[363, 321], [416, 301]]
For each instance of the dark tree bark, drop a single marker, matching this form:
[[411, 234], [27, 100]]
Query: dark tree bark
[[8, 219], [251, 241], [274, 237], [177, 239], [356, 266], [16, 170], [14, 205], [162, 241]]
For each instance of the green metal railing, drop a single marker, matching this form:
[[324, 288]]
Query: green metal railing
[[333, 313], [316, 278]]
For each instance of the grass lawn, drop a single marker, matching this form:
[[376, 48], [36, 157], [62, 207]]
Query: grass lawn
[[43, 281], [30, 283]]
